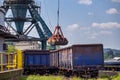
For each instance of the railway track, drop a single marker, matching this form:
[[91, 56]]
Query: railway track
[[102, 73], [109, 73]]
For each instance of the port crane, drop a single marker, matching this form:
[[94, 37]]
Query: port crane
[[19, 10]]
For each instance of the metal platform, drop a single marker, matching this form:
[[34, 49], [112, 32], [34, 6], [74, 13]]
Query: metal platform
[[6, 34]]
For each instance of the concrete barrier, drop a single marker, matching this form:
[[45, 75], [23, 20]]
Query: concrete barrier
[[11, 74]]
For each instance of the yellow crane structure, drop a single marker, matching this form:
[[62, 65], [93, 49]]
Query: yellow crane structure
[[19, 59]]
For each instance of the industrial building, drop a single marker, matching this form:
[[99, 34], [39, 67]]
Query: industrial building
[[4, 33], [23, 45]]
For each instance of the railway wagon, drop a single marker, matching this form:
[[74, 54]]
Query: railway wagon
[[83, 60], [112, 64], [36, 61], [54, 62]]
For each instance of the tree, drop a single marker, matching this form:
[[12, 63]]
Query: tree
[[11, 49], [110, 54]]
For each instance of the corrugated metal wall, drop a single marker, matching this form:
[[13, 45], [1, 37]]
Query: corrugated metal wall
[[1, 44], [54, 62], [65, 58], [36, 58], [88, 55], [2, 16], [2, 24]]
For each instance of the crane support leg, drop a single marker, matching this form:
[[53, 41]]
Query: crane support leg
[[44, 44]]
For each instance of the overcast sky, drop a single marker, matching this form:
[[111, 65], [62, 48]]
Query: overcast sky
[[85, 21]]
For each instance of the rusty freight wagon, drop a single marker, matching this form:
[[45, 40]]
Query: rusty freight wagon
[[83, 59]]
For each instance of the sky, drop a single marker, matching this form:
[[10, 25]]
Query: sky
[[85, 21]]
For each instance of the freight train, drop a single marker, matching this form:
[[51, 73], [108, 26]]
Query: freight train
[[83, 60]]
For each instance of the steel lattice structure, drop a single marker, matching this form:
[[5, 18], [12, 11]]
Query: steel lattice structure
[[19, 10]]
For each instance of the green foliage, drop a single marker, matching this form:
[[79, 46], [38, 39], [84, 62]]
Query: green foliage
[[105, 56], [52, 77], [11, 49], [49, 47], [108, 55], [75, 78], [111, 53], [117, 77], [37, 77], [23, 78], [117, 54]]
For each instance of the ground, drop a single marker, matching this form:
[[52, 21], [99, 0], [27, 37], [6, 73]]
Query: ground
[[58, 77]]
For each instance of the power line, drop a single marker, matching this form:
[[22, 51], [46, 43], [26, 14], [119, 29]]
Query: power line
[[58, 12]]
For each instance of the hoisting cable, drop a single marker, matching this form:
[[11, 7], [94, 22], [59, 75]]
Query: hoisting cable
[[58, 12]]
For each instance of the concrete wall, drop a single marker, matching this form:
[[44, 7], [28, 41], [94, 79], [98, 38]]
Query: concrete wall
[[26, 45], [1, 44], [11, 74]]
